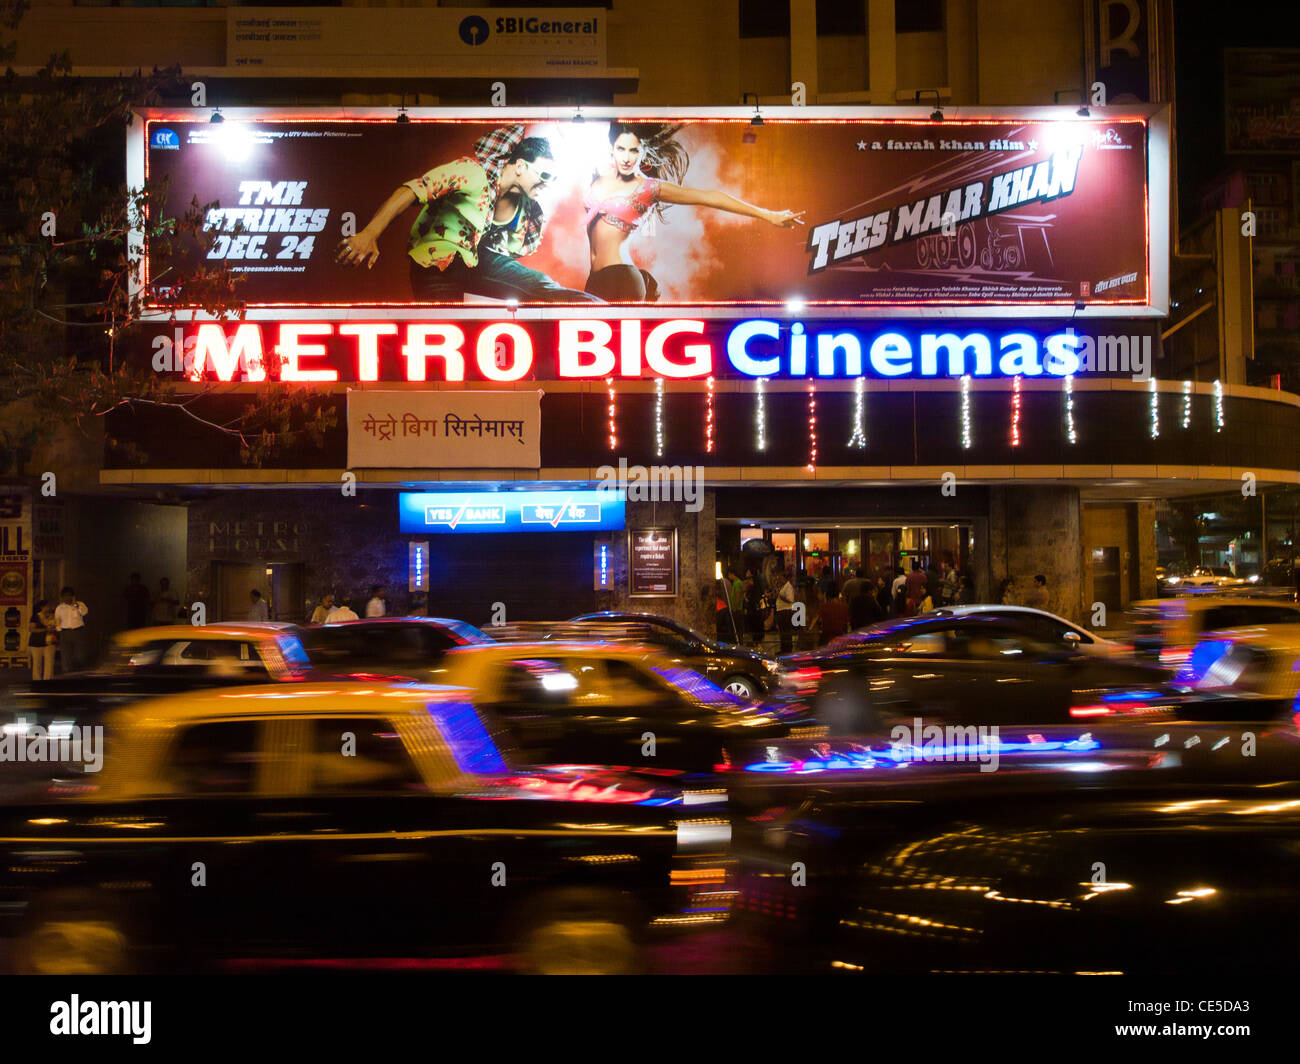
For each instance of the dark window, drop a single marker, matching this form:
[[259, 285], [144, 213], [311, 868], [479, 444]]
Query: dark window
[[215, 759], [918, 16], [352, 755], [764, 18], [841, 18]]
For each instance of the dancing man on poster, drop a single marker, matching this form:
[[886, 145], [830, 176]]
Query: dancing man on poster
[[479, 215]]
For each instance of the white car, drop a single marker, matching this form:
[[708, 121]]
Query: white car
[[1045, 627]]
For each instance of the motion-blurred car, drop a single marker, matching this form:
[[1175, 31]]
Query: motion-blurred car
[[1203, 578], [1244, 674], [358, 821], [607, 704], [974, 668], [1045, 627], [742, 672], [386, 647], [1139, 850], [1170, 628]]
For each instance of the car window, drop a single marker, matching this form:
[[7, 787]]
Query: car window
[[1244, 615], [361, 755], [630, 686], [999, 644], [553, 682], [218, 758], [1043, 628], [929, 642]]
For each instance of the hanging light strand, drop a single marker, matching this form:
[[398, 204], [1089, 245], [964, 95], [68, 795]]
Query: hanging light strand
[[965, 412], [1070, 434], [612, 410], [859, 438], [760, 414], [812, 426], [1155, 410], [1187, 404], [708, 416], [1218, 406], [659, 416], [1015, 411]]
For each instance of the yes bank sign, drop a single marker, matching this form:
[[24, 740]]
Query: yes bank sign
[[578, 510], [635, 348]]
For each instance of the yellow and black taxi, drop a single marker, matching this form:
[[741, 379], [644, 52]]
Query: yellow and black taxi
[[373, 825], [608, 703]]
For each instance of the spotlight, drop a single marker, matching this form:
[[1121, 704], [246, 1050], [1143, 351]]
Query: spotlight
[[1079, 306], [402, 116], [937, 114], [757, 120], [578, 115], [1083, 112], [216, 118]]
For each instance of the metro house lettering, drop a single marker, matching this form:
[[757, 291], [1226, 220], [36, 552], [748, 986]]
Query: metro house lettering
[[243, 536], [1039, 182]]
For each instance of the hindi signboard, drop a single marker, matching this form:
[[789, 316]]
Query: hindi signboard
[[444, 430]]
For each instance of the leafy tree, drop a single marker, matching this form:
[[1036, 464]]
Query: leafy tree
[[67, 257]]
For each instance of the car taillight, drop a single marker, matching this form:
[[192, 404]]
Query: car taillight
[[1091, 711], [1175, 655], [807, 676]]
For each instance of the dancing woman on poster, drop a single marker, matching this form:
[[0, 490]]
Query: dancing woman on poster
[[648, 166]]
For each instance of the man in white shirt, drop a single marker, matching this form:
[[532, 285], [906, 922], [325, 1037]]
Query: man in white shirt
[[257, 611], [68, 620], [342, 612], [376, 607]]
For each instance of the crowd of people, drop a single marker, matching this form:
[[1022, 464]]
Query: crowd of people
[[832, 605]]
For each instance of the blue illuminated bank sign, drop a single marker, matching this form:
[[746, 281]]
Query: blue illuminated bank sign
[[582, 510]]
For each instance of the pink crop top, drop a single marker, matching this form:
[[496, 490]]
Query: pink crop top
[[623, 212]]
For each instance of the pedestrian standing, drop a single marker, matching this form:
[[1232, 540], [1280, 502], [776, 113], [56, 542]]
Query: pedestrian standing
[[323, 610], [41, 637], [257, 610], [70, 624], [342, 612], [1038, 596], [834, 616], [137, 602], [167, 604], [785, 612], [376, 606]]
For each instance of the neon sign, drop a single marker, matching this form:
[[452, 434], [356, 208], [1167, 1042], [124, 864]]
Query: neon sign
[[626, 349], [578, 510]]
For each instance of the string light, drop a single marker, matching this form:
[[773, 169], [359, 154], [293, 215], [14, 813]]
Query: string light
[[859, 437], [612, 410], [1155, 411], [965, 412], [1187, 404], [708, 416], [760, 414], [812, 426], [1015, 411], [659, 416], [1218, 406], [1070, 434]]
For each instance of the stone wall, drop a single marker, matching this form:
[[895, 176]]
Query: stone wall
[[1037, 530]]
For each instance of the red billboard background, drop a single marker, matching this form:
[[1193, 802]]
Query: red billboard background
[[893, 212]]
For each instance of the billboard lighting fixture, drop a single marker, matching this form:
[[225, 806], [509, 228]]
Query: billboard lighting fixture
[[402, 117], [937, 114], [577, 117], [1083, 111], [1079, 306], [217, 117], [794, 305], [757, 120]]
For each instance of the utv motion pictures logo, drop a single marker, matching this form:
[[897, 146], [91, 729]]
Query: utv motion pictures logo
[[60, 744]]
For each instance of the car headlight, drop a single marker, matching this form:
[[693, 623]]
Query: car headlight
[[770, 665]]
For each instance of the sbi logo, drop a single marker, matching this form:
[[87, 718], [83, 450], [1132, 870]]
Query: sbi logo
[[473, 29], [165, 138]]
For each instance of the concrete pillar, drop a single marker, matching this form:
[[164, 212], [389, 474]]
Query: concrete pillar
[[697, 537], [1037, 530], [803, 45], [882, 52]]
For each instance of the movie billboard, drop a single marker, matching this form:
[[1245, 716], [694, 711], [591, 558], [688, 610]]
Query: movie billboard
[[675, 211]]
